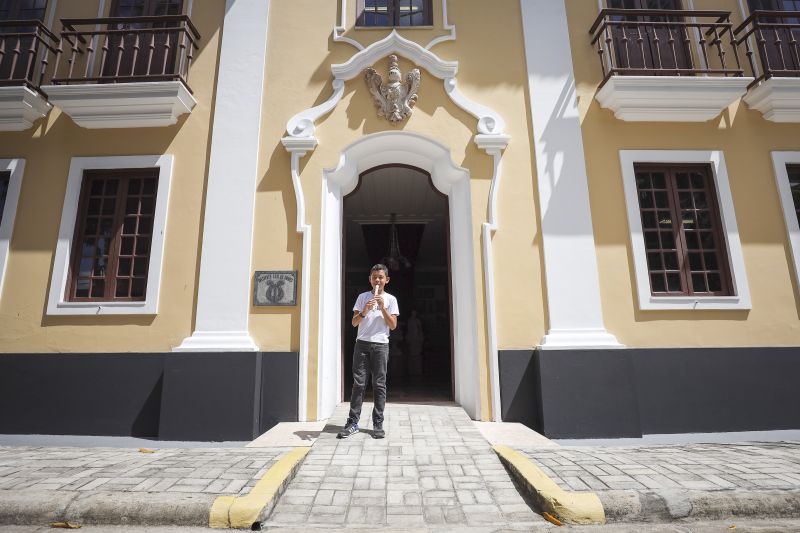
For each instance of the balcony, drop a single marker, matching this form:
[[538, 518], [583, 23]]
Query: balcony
[[133, 73], [773, 37], [26, 47], [667, 65]]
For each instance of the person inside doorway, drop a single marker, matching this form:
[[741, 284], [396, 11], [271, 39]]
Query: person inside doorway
[[375, 315]]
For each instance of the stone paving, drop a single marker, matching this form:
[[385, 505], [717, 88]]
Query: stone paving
[[85, 470], [434, 468], [704, 467]]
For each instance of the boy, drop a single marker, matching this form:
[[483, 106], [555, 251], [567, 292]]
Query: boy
[[375, 314]]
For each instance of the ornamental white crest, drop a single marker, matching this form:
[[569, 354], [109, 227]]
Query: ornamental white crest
[[395, 98]]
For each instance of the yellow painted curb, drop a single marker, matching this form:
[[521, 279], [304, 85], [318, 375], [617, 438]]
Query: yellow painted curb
[[569, 507], [242, 512]]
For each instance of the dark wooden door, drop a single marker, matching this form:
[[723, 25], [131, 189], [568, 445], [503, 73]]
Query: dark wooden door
[[149, 53], [650, 47], [19, 51], [780, 48]]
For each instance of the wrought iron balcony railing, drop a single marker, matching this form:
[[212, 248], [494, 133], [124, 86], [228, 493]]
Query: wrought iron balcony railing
[[776, 37], [652, 42], [25, 51], [127, 49]]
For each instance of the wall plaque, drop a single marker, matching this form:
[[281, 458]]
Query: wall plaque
[[275, 287]]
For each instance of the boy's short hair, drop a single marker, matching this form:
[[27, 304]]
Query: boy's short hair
[[379, 266]]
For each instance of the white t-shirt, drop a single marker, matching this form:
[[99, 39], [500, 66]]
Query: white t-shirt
[[373, 327]]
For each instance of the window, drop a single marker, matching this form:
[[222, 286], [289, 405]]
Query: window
[[650, 46], [394, 13], [5, 181], [111, 239], [793, 172], [684, 239], [681, 230], [160, 48], [787, 176], [10, 183], [19, 66], [110, 256]]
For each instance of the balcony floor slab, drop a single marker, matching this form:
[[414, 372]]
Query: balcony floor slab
[[20, 107], [670, 98], [123, 105]]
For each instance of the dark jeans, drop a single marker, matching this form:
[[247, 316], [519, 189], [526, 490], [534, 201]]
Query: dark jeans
[[369, 357]]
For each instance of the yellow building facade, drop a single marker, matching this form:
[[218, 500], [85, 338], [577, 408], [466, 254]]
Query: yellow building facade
[[589, 208]]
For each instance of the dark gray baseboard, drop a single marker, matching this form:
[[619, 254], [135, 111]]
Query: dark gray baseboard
[[166, 396], [631, 392]]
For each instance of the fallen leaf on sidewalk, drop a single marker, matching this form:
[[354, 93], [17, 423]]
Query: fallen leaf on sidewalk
[[552, 519], [146, 450], [65, 525]]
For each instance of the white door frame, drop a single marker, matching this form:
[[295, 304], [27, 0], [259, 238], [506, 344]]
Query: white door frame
[[407, 149]]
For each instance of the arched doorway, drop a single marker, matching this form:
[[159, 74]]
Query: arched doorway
[[397, 217], [393, 148]]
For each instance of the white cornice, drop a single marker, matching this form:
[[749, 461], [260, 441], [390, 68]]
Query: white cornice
[[394, 43]]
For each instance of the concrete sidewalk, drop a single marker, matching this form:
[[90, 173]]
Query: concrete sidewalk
[[434, 471], [662, 483]]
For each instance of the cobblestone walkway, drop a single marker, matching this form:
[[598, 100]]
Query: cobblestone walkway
[[198, 470], [433, 468], [706, 467]]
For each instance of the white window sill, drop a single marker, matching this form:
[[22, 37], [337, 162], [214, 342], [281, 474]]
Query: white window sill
[[694, 303], [102, 308]]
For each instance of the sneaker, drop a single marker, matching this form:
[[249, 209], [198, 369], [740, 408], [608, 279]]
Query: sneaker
[[351, 428], [378, 432]]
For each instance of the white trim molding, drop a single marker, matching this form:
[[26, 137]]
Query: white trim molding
[[56, 302], [16, 167], [778, 99], [339, 30], [670, 98], [223, 292], [123, 105], [570, 263], [397, 147], [779, 161], [733, 246], [20, 107]]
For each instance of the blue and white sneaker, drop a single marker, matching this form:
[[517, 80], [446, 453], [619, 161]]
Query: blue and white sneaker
[[351, 428]]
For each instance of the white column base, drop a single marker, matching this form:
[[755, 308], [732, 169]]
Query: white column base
[[566, 339], [217, 341]]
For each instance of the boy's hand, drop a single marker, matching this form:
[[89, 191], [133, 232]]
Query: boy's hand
[[379, 300]]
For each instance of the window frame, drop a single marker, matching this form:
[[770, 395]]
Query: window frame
[[728, 229], [16, 167], [110, 280], [60, 281], [427, 14], [780, 161]]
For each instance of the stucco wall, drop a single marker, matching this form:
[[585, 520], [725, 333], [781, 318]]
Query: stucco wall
[[746, 139]]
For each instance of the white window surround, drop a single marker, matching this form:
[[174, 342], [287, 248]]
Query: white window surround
[[647, 301], [16, 167], [779, 161], [56, 304]]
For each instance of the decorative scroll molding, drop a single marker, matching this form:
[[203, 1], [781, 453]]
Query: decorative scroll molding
[[302, 125], [340, 29], [445, 25], [394, 43]]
